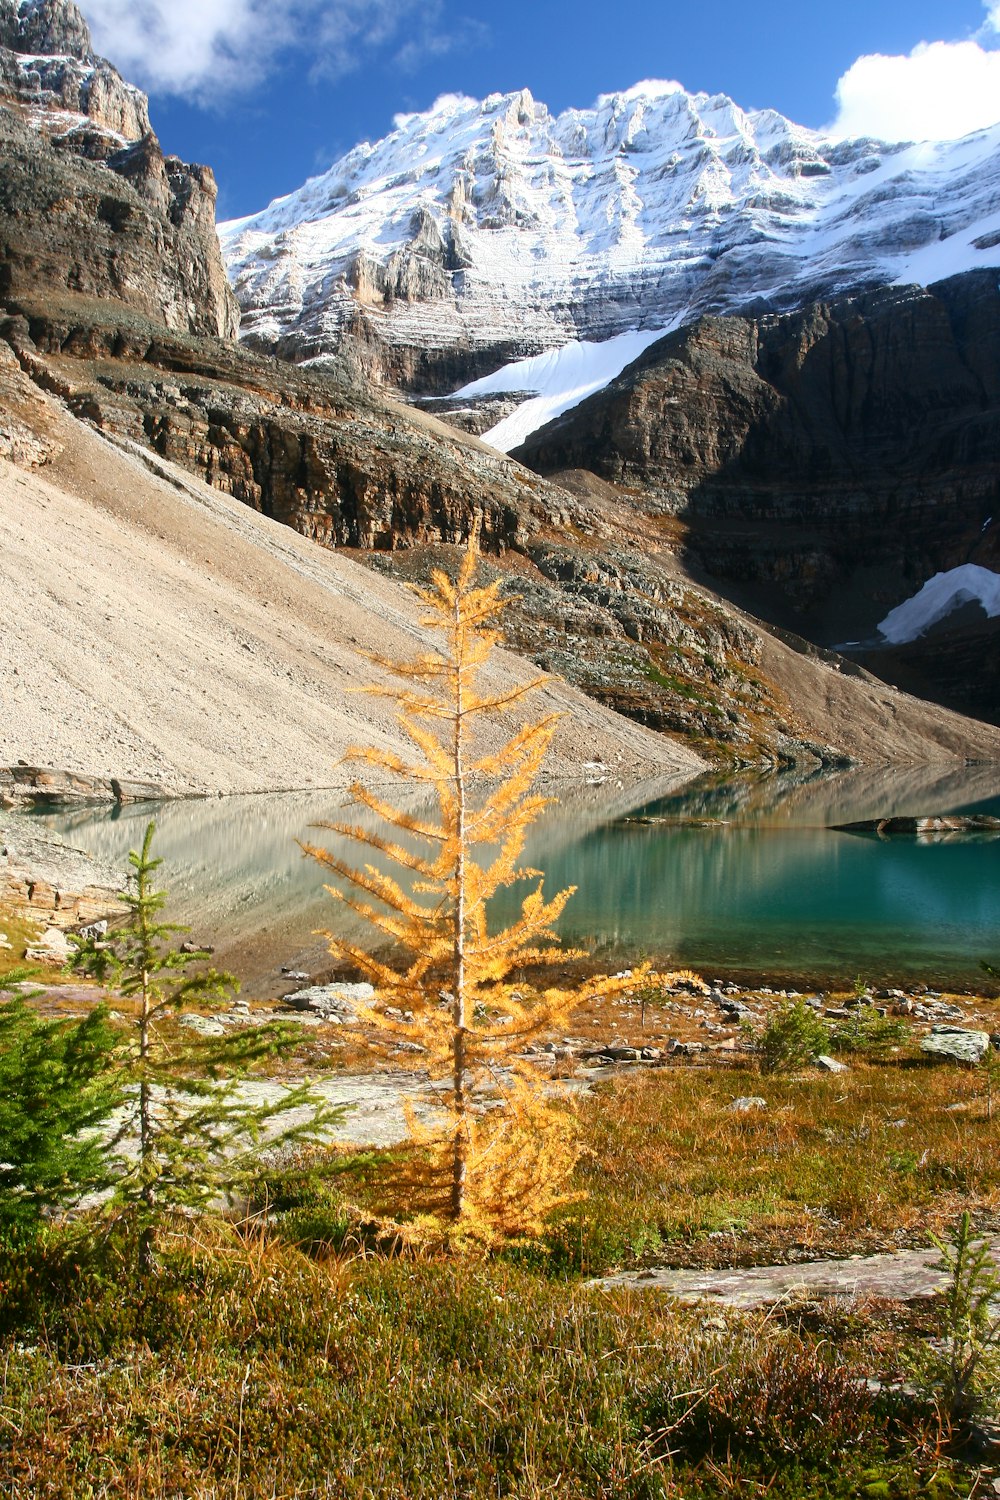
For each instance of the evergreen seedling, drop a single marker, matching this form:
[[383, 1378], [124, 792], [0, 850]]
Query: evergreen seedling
[[504, 1169], [967, 1363], [58, 1084], [793, 1038], [185, 1120]]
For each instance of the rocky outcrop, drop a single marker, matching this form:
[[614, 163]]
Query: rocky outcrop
[[51, 69], [51, 26], [825, 463], [317, 454], [51, 883], [927, 830], [89, 204], [43, 786]]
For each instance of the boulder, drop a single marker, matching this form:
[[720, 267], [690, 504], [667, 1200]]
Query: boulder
[[830, 1064], [956, 1043], [335, 1000]]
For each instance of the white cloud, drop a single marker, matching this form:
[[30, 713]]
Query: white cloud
[[202, 48], [939, 91]]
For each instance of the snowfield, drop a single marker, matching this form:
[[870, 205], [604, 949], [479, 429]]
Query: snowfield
[[559, 380], [938, 598]]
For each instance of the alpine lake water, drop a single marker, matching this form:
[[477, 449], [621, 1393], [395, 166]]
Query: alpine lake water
[[745, 877]]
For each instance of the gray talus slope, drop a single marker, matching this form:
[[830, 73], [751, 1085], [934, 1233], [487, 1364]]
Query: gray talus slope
[[155, 629]]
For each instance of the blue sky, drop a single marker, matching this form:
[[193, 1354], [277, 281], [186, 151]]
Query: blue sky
[[269, 92]]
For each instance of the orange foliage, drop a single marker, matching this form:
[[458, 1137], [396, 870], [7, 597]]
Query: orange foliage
[[507, 1145]]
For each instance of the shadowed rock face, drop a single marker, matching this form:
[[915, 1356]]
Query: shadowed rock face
[[827, 462], [88, 201]]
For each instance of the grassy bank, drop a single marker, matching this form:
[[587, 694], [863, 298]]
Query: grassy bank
[[259, 1372], [301, 1357]]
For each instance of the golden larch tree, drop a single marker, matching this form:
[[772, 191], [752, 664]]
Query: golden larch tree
[[507, 1162]]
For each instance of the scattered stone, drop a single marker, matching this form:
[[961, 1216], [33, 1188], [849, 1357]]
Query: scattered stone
[[831, 1064], [295, 974], [332, 1000], [94, 931], [837, 1013], [957, 1043], [204, 1026], [746, 1104], [195, 948]]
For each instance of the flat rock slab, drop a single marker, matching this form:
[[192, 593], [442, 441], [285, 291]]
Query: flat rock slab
[[333, 1001], [375, 1105], [904, 1276]]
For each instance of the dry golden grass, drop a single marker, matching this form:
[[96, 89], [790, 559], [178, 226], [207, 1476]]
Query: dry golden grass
[[870, 1159]]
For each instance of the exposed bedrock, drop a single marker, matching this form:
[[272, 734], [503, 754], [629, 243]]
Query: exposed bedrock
[[826, 462], [89, 203]]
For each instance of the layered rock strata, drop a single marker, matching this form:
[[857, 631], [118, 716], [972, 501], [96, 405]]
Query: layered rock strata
[[824, 463], [89, 203]]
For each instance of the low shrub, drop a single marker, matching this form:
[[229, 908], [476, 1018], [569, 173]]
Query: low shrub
[[866, 1033], [792, 1038]]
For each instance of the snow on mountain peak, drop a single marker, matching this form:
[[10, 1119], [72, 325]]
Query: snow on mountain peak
[[480, 233]]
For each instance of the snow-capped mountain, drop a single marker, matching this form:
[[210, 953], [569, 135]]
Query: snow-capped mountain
[[478, 234]]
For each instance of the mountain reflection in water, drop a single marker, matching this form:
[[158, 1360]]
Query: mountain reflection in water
[[745, 875]]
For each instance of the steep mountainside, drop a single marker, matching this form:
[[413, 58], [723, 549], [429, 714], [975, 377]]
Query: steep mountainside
[[478, 233], [824, 464], [112, 303], [173, 636], [88, 201]]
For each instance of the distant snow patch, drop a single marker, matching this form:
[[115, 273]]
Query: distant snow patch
[[938, 598], [560, 379]]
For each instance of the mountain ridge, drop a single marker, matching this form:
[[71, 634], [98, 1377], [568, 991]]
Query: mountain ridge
[[479, 233]]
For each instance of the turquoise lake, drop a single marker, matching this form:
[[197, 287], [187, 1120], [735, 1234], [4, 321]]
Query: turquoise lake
[[743, 877]]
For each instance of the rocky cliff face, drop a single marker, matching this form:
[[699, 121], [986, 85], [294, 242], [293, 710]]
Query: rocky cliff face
[[109, 281], [89, 204], [478, 233], [826, 462]]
